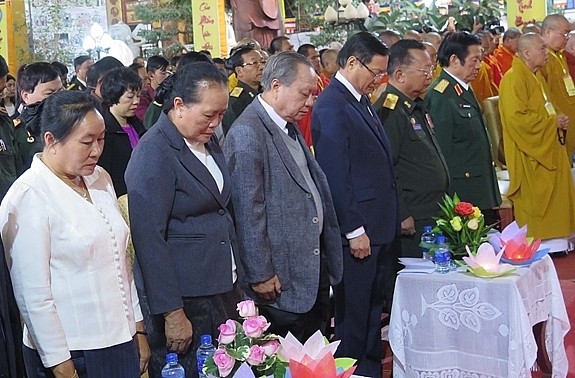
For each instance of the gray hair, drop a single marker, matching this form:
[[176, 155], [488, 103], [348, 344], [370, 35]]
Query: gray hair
[[284, 68]]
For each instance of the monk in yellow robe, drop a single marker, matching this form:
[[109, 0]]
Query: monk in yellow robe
[[555, 32], [541, 186], [483, 85]]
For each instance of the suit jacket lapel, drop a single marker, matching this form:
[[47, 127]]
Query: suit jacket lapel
[[190, 162], [280, 145]]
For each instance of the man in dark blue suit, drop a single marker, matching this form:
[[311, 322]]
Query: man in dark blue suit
[[354, 152]]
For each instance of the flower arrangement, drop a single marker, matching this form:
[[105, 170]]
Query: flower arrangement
[[462, 224], [245, 343], [244, 351]]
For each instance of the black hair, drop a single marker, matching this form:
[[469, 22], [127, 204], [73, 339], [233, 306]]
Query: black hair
[[135, 67], [117, 82], [8, 76], [3, 67], [80, 60], [219, 61], [399, 54], [63, 111], [363, 46], [98, 69], [157, 62], [206, 52], [276, 43], [304, 49], [174, 61], [237, 58], [193, 57], [30, 75], [61, 67], [135, 60], [188, 83], [456, 43]]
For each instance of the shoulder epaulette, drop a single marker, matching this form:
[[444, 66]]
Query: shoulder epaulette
[[236, 92], [441, 86], [71, 86], [390, 101]]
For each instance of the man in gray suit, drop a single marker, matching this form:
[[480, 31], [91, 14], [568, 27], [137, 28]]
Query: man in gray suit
[[289, 239]]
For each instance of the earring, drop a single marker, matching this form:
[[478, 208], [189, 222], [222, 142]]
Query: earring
[[179, 115]]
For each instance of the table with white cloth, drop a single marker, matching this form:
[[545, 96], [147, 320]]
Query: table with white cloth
[[459, 325]]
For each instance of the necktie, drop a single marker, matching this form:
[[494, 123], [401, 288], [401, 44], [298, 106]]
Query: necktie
[[365, 102], [291, 130]]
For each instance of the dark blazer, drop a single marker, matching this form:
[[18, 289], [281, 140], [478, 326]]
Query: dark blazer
[[353, 150], [11, 362], [117, 149], [275, 214], [180, 223], [464, 140]]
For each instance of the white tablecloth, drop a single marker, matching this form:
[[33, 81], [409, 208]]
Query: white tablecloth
[[457, 325]]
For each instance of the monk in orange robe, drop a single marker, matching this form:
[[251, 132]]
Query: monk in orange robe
[[506, 51]]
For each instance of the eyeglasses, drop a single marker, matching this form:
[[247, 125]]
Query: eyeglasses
[[563, 34], [428, 72], [375, 76], [261, 62]]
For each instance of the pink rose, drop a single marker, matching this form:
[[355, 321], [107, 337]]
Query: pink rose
[[255, 326], [227, 332], [257, 355], [224, 362], [271, 347], [247, 309]]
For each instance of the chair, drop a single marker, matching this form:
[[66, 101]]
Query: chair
[[123, 203], [494, 127]]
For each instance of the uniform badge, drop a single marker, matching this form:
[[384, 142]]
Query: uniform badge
[[390, 101], [429, 121], [441, 86], [17, 122], [251, 94], [30, 138], [236, 92], [71, 86], [458, 89], [416, 126], [407, 104]]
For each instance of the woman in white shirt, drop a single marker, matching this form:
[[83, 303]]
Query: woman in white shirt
[[65, 243]]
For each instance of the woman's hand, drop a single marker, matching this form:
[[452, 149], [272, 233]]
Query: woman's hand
[[143, 347], [65, 369], [178, 331]]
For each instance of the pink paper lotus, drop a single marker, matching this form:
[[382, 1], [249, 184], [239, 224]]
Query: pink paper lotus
[[486, 263], [325, 368], [520, 250]]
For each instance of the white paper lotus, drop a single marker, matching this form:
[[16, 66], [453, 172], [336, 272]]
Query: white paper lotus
[[315, 347]]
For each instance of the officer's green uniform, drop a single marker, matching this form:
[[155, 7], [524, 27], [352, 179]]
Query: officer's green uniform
[[28, 145], [76, 85], [464, 140], [422, 173], [152, 115], [9, 164], [240, 97]]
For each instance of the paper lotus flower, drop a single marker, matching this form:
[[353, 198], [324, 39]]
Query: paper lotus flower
[[486, 263], [314, 358], [519, 249], [511, 232]]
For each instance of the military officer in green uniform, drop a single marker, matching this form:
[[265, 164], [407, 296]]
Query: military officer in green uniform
[[36, 81], [460, 126], [81, 65], [248, 64], [422, 174]]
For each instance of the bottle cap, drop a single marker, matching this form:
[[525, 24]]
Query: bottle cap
[[427, 229], [206, 339], [440, 239], [171, 357]]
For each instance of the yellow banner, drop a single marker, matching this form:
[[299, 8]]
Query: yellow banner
[[3, 31], [522, 12], [209, 20]]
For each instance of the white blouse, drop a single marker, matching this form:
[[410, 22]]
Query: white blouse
[[67, 258]]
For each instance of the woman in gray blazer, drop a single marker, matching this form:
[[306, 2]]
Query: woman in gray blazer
[[183, 233]]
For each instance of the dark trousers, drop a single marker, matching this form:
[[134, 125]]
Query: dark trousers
[[206, 314], [302, 326], [118, 361], [410, 243], [364, 293]]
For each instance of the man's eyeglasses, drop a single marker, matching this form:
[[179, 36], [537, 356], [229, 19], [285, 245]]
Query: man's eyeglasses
[[261, 62], [564, 34], [428, 72], [380, 75]]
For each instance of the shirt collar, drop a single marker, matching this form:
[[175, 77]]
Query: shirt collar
[[461, 82], [278, 120], [348, 85]]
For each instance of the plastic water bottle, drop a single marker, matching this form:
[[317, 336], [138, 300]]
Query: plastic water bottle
[[173, 369], [442, 255], [205, 351], [428, 238]]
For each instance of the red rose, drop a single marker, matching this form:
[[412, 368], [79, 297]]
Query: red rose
[[463, 208]]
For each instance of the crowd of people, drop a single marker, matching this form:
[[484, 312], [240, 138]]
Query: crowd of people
[[273, 174]]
